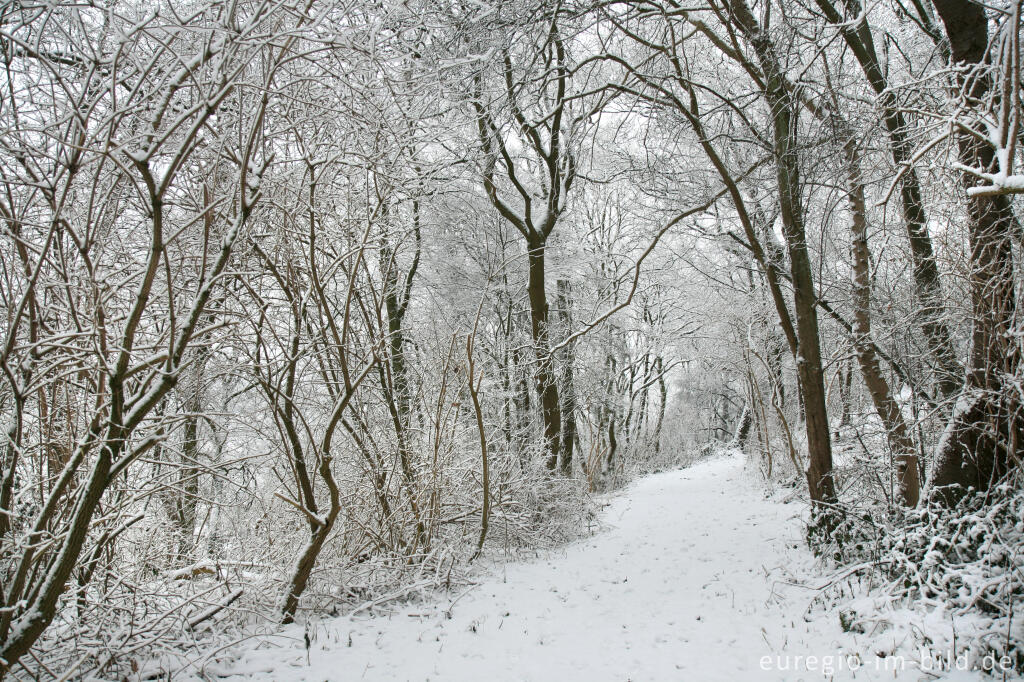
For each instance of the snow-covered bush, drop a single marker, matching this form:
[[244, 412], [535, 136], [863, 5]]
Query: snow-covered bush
[[950, 576]]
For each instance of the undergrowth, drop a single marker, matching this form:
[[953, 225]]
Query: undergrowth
[[958, 567]]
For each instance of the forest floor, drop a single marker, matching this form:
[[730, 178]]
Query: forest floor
[[697, 574]]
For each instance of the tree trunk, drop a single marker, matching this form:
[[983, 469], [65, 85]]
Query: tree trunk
[[303, 569], [523, 401], [397, 292], [505, 368], [846, 391], [981, 439], [820, 482], [663, 395], [568, 394], [776, 352], [642, 408], [627, 425], [927, 285], [613, 444], [17, 640], [900, 443], [544, 377], [742, 433], [186, 497]]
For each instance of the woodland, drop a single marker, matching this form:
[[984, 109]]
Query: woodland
[[308, 304]]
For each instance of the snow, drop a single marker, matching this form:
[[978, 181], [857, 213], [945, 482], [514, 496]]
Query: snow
[[998, 183], [698, 575]]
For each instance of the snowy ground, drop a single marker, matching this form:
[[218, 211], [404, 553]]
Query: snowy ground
[[698, 576]]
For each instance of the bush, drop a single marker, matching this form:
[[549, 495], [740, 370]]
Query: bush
[[962, 561]]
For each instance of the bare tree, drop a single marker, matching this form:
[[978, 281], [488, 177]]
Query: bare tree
[[856, 31], [668, 75], [533, 109], [100, 201]]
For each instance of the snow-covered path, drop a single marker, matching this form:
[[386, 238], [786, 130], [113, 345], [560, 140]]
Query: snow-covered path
[[690, 581]]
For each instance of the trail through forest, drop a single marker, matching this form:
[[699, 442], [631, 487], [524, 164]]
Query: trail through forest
[[697, 575]]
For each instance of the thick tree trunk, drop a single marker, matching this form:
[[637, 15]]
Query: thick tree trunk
[[303, 570], [186, 502], [544, 377], [809, 366], [9, 461], [26, 629], [981, 439]]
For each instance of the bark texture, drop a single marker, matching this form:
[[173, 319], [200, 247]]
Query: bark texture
[[981, 440], [900, 443], [782, 108]]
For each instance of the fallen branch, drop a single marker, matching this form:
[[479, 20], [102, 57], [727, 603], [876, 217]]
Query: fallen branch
[[213, 610]]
